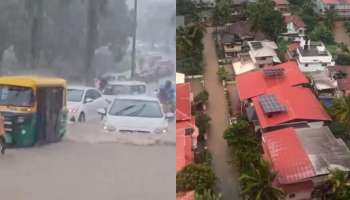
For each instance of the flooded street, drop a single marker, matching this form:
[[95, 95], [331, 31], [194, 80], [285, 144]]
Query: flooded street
[[88, 165], [218, 111], [340, 34]]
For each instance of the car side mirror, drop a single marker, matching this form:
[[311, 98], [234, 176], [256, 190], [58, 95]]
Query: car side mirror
[[169, 115], [102, 112], [89, 100]]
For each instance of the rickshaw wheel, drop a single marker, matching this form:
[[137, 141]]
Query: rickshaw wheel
[[81, 117]]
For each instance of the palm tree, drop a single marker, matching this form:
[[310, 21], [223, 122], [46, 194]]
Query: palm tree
[[258, 184], [340, 110], [330, 18]]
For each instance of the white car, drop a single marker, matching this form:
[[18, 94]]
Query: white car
[[135, 115], [82, 103], [115, 88]]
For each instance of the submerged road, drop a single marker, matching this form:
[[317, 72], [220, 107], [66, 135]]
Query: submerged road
[[218, 110], [89, 169]]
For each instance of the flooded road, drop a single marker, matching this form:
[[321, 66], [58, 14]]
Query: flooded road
[[218, 111], [340, 34], [88, 165]]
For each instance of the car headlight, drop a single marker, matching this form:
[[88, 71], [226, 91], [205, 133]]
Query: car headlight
[[160, 130], [109, 128]]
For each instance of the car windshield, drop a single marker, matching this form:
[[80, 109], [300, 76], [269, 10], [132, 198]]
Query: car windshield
[[16, 96], [124, 89], [75, 95], [136, 108]]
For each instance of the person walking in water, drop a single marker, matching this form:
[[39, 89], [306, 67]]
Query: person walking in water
[[2, 134]]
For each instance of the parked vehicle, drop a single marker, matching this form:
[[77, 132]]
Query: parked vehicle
[[115, 88], [34, 109], [83, 102], [135, 115]]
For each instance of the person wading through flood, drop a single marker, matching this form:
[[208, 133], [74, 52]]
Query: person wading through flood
[[2, 134]]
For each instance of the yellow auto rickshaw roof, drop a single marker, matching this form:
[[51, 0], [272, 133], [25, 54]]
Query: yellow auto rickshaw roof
[[32, 81]]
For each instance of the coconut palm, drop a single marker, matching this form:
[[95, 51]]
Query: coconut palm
[[340, 110], [340, 185], [257, 184]]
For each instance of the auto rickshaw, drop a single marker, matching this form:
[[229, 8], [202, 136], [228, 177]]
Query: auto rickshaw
[[34, 109]]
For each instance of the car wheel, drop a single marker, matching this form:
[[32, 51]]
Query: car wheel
[[81, 118]]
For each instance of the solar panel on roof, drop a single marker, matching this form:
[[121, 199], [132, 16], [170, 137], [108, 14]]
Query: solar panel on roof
[[271, 72], [270, 104], [256, 45]]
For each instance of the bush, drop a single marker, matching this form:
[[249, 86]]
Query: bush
[[198, 177], [223, 74], [200, 100], [202, 122], [203, 156], [322, 33], [342, 59], [207, 195]]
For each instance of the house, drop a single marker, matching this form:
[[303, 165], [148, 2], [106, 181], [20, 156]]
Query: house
[[291, 52], [282, 6], [313, 56], [341, 7], [255, 83], [323, 84], [286, 106], [186, 130], [295, 27], [232, 45], [263, 53], [243, 66], [234, 37], [342, 75], [308, 163]]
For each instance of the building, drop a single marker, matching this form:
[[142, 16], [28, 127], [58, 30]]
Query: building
[[255, 83], [232, 45], [282, 6], [313, 56], [291, 53], [295, 27], [341, 7], [308, 162], [186, 130], [286, 106], [263, 53], [342, 75], [323, 84]]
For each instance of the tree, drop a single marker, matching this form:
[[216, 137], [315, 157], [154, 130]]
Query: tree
[[265, 18], [207, 195], [340, 110], [282, 49], [337, 187], [342, 59], [258, 184], [222, 13], [198, 177], [329, 19], [322, 33], [202, 122]]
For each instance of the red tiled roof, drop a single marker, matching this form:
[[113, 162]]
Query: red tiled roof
[[282, 144], [185, 196], [293, 46], [336, 1], [255, 83], [184, 154], [296, 20], [301, 104], [183, 102]]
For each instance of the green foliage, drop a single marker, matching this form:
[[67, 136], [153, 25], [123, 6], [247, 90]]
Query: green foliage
[[347, 26], [265, 18], [222, 12], [223, 74], [257, 184], [322, 33], [201, 98], [304, 9], [187, 9], [198, 177], [329, 19], [202, 122], [343, 47], [207, 195], [342, 59], [337, 187], [339, 130], [282, 49], [340, 110], [204, 157]]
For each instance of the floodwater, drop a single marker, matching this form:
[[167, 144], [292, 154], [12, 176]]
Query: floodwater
[[340, 34], [89, 165]]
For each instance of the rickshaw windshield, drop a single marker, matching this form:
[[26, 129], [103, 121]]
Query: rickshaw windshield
[[16, 96]]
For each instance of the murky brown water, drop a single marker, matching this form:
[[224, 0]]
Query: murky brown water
[[88, 165]]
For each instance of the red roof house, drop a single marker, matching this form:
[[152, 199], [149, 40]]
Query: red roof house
[[300, 105], [299, 157], [296, 20], [186, 130], [255, 83]]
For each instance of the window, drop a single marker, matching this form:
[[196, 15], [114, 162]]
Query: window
[[306, 65], [89, 95], [95, 94]]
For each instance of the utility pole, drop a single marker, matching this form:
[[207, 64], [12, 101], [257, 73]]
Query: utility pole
[[133, 57]]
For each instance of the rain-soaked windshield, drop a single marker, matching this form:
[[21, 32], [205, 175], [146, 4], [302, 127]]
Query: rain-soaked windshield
[[124, 89], [75, 95], [16, 96], [136, 108]]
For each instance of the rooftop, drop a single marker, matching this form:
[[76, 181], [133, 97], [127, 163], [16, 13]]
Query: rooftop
[[344, 83], [243, 29], [183, 102], [296, 20], [184, 154], [254, 83], [307, 108], [322, 80], [336, 1], [313, 49], [311, 152]]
